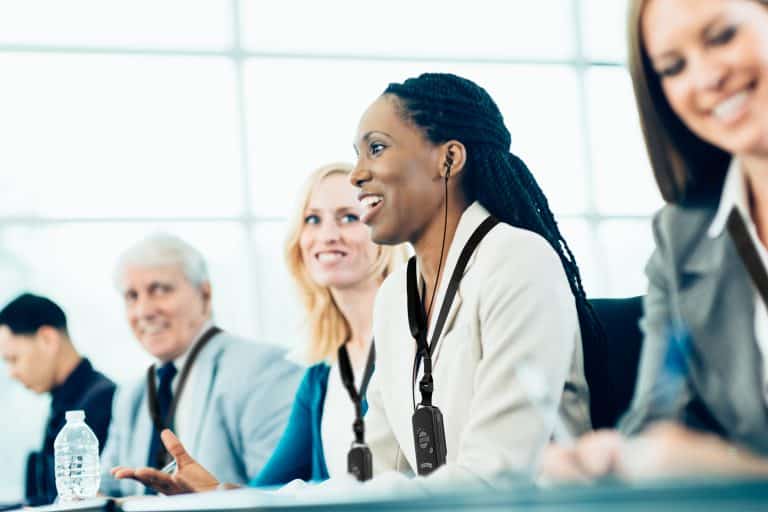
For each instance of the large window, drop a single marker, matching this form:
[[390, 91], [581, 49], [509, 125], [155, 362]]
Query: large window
[[202, 118]]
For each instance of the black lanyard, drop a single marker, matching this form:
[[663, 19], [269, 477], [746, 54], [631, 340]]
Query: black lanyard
[[348, 379], [154, 404], [417, 315], [748, 253], [359, 458]]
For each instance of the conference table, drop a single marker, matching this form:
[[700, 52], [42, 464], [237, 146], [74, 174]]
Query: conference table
[[700, 496]]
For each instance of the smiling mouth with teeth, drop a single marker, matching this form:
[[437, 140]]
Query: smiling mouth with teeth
[[731, 106], [369, 202], [152, 329], [730, 109], [329, 256]]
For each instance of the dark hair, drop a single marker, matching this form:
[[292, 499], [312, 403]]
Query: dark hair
[[447, 107], [688, 170], [27, 313]]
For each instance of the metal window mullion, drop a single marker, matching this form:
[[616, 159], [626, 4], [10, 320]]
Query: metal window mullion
[[38, 221], [237, 52], [592, 215], [251, 220]]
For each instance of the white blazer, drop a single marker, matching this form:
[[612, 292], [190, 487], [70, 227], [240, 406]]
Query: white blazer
[[509, 344]]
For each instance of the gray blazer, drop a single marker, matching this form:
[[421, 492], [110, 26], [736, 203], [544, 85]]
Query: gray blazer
[[245, 396], [700, 284]]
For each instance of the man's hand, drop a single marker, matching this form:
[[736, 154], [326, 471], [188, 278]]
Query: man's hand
[[189, 476]]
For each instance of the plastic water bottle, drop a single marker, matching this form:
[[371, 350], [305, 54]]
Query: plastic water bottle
[[76, 453]]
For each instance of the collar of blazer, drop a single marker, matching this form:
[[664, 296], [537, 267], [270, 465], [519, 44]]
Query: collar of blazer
[[709, 248], [705, 254], [717, 301], [472, 217], [710, 269], [716, 297], [198, 396]]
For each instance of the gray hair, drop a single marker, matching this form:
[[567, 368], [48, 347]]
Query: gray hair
[[162, 249]]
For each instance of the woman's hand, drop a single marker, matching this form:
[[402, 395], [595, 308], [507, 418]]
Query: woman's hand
[[672, 450], [665, 449], [189, 476], [596, 454]]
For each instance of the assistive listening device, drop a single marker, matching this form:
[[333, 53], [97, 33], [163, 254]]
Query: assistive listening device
[[427, 420], [429, 438], [360, 462]]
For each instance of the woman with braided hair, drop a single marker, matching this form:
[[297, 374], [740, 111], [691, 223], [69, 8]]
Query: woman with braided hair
[[507, 367]]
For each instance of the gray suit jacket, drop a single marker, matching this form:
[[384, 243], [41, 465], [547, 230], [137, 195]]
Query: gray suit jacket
[[243, 400], [699, 285]]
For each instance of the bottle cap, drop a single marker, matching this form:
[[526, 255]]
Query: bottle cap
[[75, 415]]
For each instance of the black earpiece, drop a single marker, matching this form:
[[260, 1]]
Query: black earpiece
[[448, 165]]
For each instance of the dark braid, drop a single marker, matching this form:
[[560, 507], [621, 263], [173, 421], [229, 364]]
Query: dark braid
[[447, 107]]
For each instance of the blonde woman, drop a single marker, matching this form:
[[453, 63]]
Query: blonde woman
[[338, 270]]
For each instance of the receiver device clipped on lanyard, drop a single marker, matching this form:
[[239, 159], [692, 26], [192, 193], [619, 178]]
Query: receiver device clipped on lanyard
[[427, 420], [359, 459]]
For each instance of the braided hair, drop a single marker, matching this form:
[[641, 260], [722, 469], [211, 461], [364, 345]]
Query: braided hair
[[447, 107]]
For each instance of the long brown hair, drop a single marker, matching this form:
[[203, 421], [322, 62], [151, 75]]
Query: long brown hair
[[688, 169], [328, 328]]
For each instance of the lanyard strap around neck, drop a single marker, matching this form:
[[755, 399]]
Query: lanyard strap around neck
[[153, 402], [417, 315], [748, 252], [348, 379]]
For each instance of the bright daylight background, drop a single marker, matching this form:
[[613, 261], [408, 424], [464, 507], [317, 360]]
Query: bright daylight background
[[121, 118]]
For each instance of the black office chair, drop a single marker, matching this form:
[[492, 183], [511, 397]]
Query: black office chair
[[620, 319]]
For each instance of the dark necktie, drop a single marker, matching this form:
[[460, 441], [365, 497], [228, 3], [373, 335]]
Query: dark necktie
[[165, 374]]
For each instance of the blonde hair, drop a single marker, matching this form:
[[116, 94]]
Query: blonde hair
[[328, 328], [687, 169]]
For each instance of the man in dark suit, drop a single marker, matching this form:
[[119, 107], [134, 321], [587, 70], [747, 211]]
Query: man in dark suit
[[35, 344]]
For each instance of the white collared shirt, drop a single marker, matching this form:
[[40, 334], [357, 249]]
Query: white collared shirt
[[182, 422], [735, 195]]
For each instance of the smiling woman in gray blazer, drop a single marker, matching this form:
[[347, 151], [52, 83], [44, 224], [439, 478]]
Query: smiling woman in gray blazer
[[700, 73]]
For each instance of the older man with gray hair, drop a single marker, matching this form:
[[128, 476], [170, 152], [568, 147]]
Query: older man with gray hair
[[226, 398]]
